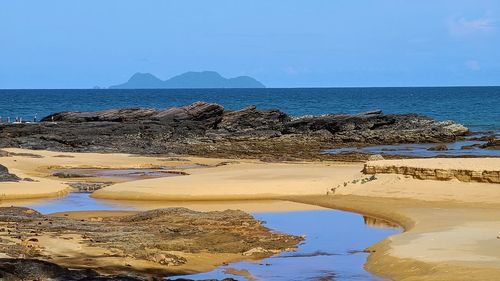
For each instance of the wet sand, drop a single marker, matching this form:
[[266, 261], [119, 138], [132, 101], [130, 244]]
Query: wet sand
[[442, 240], [451, 226]]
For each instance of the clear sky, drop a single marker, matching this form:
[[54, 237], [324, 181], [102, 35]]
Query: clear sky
[[282, 43]]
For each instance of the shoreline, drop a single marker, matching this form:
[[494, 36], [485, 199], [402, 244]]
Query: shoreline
[[407, 214], [454, 213]]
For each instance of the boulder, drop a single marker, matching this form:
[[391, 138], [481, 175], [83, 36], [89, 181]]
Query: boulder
[[5, 176], [439, 147], [492, 144]]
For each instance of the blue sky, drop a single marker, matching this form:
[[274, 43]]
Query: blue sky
[[285, 43]]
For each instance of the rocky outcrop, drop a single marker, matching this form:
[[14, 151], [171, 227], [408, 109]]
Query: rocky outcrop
[[252, 119], [377, 128], [207, 129], [153, 237], [5, 176], [196, 111], [88, 187], [434, 173], [32, 269], [492, 144]]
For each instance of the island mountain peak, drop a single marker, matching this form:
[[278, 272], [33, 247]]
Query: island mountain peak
[[191, 79]]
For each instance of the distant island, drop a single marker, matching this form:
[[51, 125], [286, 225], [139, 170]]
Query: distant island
[[204, 79]]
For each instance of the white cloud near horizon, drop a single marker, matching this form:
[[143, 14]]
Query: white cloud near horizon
[[462, 26]]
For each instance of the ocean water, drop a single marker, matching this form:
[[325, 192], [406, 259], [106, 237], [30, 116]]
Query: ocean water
[[476, 107]]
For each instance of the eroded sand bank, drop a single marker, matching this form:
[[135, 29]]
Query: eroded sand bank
[[451, 226]]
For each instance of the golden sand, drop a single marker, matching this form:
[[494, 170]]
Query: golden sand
[[452, 227]]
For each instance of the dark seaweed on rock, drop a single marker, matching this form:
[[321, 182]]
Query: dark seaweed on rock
[[207, 129]]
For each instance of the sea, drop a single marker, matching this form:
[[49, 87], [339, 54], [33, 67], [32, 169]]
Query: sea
[[476, 107]]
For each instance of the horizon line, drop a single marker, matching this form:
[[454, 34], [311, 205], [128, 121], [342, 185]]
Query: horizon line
[[266, 88]]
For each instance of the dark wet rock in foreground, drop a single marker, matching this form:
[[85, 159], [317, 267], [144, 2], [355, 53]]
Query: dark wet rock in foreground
[[208, 129], [32, 269], [492, 144]]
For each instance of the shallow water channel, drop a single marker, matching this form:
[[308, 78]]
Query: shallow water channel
[[423, 150], [332, 249]]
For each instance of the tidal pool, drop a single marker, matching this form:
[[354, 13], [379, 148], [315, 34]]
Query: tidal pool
[[333, 249], [115, 174], [422, 150]]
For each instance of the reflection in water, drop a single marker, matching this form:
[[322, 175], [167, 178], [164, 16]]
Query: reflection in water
[[333, 249], [83, 202], [376, 222]]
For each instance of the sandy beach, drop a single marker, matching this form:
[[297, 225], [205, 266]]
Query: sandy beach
[[451, 226]]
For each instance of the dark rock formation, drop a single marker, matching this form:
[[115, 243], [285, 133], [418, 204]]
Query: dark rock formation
[[492, 144], [439, 147], [252, 119], [6, 176], [32, 269], [208, 129], [196, 111], [88, 187]]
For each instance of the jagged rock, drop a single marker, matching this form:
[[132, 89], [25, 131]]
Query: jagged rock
[[111, 115], [207, 129], [196, 111], [6, 176], [378, 128], [251, 118]]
